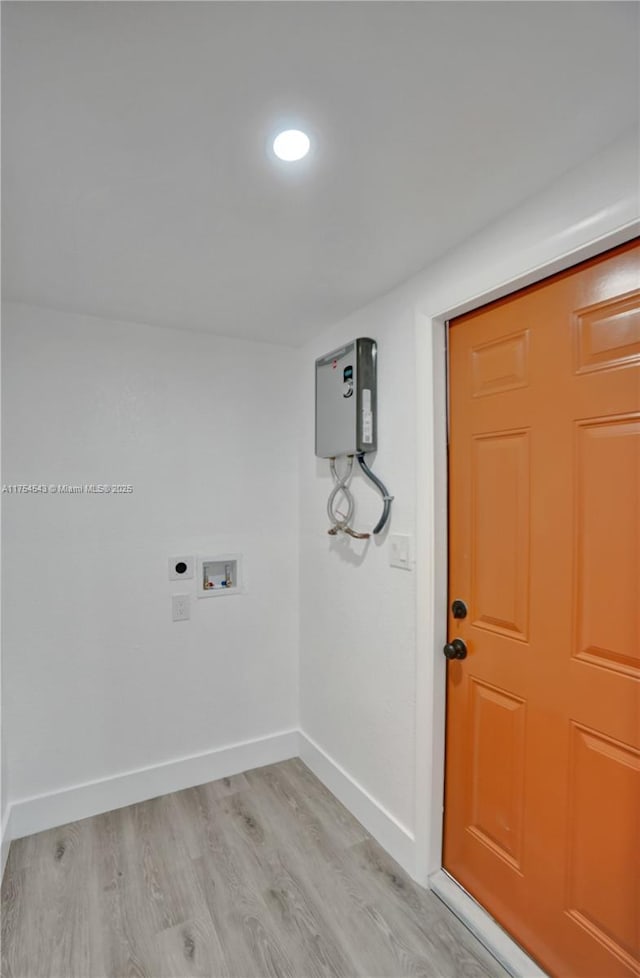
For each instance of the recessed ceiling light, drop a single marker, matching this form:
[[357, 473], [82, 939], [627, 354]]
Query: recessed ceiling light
[[291, 145]]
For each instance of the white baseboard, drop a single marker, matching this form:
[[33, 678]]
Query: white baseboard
[[398, 841], [510, 955], [29, 815], [41, 812], [5, 840]]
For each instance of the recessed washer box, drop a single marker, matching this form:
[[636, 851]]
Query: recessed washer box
[[219, 575]]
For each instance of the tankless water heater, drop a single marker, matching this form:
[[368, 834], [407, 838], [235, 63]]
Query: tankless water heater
[[346, 400]]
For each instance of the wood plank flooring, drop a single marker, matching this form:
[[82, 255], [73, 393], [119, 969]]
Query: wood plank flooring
[[263, 875]]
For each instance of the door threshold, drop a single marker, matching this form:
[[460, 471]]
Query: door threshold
[[482, 925]]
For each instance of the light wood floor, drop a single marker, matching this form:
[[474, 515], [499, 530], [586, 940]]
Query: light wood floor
[[257, 876]]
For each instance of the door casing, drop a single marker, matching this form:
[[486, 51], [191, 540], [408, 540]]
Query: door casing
[[432, 531]]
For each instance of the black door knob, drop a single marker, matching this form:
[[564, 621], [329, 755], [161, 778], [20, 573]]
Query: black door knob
[[459, 609], [456, 649]]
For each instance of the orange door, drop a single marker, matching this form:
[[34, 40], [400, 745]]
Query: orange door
[[542, 816]]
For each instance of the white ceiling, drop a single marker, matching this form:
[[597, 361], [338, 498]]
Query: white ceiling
[[137, 185]]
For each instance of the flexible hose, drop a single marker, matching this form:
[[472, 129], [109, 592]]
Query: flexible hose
[[339, 521], [386, 511]]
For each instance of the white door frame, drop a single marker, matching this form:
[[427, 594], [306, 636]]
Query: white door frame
[[431, 513]]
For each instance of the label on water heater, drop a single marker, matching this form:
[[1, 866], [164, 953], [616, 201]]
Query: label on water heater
[[367, 417]]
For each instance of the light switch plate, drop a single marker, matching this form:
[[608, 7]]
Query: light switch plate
[[400, 553]]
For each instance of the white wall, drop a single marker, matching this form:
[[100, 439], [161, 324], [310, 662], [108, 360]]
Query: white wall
[[101, 680], [358, 620], [4, 802], [371, 668], [207, 430], [4, 794]]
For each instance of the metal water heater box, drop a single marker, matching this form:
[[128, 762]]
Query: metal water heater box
[[346, 400]]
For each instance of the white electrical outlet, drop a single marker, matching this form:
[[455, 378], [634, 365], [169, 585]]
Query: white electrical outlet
[[400, 551], [180, 568], [180, 607]]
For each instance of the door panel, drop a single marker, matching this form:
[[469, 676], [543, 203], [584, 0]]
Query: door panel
[[497, 804], [598, 849], [607, 453], [500, 531], [542, 816]]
